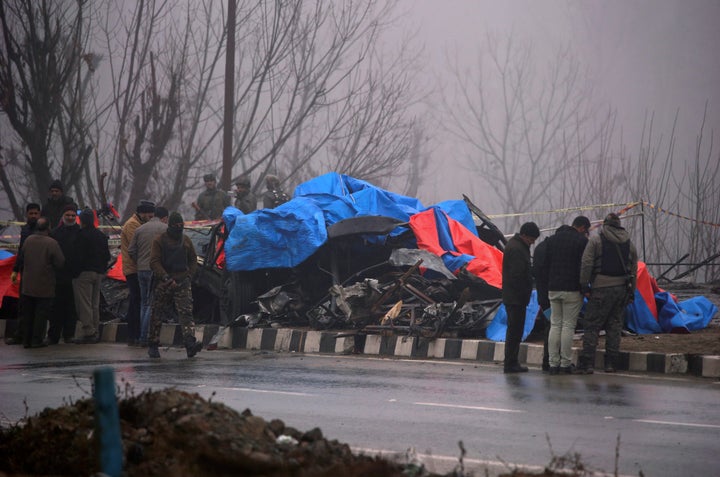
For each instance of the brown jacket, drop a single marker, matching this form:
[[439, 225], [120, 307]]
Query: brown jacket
[[128, 230], [162, 258], [39, 259]]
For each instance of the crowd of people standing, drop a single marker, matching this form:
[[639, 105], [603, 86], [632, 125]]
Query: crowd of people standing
[[570, 267], [62, 259]]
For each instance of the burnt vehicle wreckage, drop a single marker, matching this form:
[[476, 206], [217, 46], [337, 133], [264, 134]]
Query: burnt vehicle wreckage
[[368, 275], [362, 279]]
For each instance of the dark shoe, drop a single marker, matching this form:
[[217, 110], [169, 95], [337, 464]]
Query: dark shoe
[[609, 368], [515, 369], [584, 370], [192, 346], [545, 368], [13, 341], [554, 370], [91, 339], [53, 341], [37, 345], [153, 351], [567, 369]]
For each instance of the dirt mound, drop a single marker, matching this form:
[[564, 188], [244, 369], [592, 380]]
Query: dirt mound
[[172, 432]]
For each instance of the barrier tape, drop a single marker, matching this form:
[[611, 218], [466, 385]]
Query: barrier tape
[[667, 212], [625, 205], [625, 208]]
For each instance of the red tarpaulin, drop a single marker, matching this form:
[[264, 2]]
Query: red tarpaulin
[[483, 260], [6, 286]]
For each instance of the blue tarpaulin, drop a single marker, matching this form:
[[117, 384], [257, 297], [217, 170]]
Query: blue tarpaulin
[[287, 235], [497, 328]]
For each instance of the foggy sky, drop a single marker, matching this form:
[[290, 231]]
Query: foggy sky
[[644, 56]]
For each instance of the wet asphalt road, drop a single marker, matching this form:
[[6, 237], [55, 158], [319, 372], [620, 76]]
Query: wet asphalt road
[[667, 426]]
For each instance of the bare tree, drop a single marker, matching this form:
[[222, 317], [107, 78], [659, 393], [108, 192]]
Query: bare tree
[[40, 53], [703, 201], [526, 130], [146, 76], [313, 96]]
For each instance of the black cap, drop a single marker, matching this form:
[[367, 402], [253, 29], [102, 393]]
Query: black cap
[[209, 177], [87, 218], [145, 206], [56, 184]]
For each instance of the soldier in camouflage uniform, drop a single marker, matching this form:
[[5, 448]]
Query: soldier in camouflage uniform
[[212, 201], [173, 262]]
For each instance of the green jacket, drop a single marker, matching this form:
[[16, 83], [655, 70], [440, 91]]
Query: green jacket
[[211, 202]]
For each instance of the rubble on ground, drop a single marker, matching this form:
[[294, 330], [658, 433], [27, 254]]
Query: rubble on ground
[[171, 432]]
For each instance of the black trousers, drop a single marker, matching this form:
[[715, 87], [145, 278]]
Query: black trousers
[[35, 312], [133, 313], [513, 335], [64, 316]]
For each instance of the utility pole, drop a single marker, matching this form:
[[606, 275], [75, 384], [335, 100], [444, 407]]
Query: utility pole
[[228, 116]]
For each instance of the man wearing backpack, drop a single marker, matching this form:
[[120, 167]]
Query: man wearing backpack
[[608, 277]]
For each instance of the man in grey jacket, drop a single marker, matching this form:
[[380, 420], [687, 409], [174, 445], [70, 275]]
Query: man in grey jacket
[[608, 277], [139, 250]]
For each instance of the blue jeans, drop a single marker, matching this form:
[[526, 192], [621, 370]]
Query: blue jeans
[[145, 282]]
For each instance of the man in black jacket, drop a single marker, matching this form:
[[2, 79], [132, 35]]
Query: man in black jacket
[[53, 208], [64, 316], [562, 260], [90, 259], [516, 290]]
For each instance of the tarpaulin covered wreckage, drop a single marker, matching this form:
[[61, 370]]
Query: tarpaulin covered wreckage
[[362, 257], [345, 254]]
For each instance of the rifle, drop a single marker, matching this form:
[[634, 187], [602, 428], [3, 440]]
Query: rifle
[[197, 207]]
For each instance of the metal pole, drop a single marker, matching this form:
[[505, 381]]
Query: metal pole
[[642, 209], [107, 422], [228, 116]]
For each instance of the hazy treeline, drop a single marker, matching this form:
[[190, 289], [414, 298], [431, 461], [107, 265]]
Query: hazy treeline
[[135, 90]]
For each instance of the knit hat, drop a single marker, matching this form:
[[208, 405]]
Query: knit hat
[[56, 184], [175, 218], [145, 207], [612, 220], [209, 177], [69, 207], [530, 229], [87, 218]]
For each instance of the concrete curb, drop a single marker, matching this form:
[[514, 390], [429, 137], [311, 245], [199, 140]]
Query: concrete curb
[[308, 341]]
